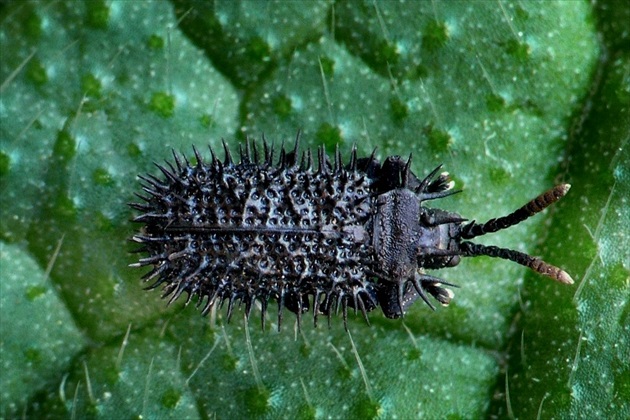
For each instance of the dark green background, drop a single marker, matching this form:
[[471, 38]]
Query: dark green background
[[511, 97]]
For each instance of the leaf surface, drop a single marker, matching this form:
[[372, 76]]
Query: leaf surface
[[510, 97]]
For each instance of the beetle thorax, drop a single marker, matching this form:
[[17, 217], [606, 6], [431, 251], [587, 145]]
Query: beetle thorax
[[396, 231]]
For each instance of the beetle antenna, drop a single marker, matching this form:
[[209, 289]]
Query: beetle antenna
[[534, 206], [470, 249]]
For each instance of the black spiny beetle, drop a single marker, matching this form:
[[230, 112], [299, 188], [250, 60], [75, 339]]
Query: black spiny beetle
[[333, 237]]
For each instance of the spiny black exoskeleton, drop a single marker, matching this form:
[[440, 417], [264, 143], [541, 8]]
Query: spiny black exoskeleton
[[322, 237]]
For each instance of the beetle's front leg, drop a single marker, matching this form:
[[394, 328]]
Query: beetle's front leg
[[391, 298], [395, 300]]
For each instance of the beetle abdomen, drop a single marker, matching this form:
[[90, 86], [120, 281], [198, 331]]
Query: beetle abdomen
[[247, 231]]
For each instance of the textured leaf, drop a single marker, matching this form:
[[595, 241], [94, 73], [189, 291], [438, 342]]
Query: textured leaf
[[585, 370], [39, 338], [110, 101], [510, 97]]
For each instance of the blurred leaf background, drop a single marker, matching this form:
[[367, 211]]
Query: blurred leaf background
[[511, 97]]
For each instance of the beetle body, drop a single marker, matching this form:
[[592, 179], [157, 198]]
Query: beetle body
[[318, 237]]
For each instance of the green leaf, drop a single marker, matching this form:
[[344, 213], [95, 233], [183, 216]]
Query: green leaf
[[39, 337], [585, 370], [510, 96], [73, 156]]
